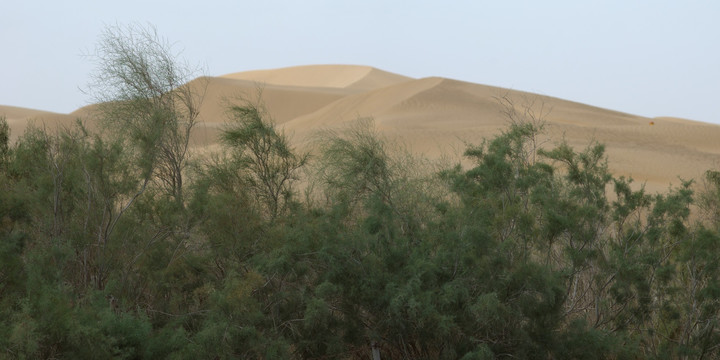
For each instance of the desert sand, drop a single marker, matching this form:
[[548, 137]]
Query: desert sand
[[437, 116]]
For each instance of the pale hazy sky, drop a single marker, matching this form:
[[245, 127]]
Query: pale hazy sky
[[651, 58]]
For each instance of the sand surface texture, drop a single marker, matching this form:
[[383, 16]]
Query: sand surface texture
[[436, 116]]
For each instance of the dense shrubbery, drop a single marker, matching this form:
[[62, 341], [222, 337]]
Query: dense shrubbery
[[527, 253]]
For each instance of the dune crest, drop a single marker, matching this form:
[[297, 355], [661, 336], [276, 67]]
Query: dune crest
[[329, 76]]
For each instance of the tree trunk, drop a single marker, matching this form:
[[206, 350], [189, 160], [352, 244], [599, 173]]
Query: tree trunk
[[375, 351]]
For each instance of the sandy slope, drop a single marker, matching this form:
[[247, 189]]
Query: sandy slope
[[19, 119], [436, 115]]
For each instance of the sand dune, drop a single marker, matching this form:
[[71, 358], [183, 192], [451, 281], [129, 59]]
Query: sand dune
[[436, 115]]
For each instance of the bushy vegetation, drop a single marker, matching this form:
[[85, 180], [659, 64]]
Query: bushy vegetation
[[119, 245], [529, 253]]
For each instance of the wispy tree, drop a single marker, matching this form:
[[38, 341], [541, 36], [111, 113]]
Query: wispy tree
[[147, 99], [263, 154]]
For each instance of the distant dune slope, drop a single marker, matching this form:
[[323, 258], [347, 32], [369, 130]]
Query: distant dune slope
[[20, 118], [435, 115]]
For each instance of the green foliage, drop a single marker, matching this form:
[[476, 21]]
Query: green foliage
[[709, 201], [263, 155], [4, 143], [529, 253]]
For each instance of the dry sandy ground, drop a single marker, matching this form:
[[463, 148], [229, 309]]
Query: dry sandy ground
[[437, 116]]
